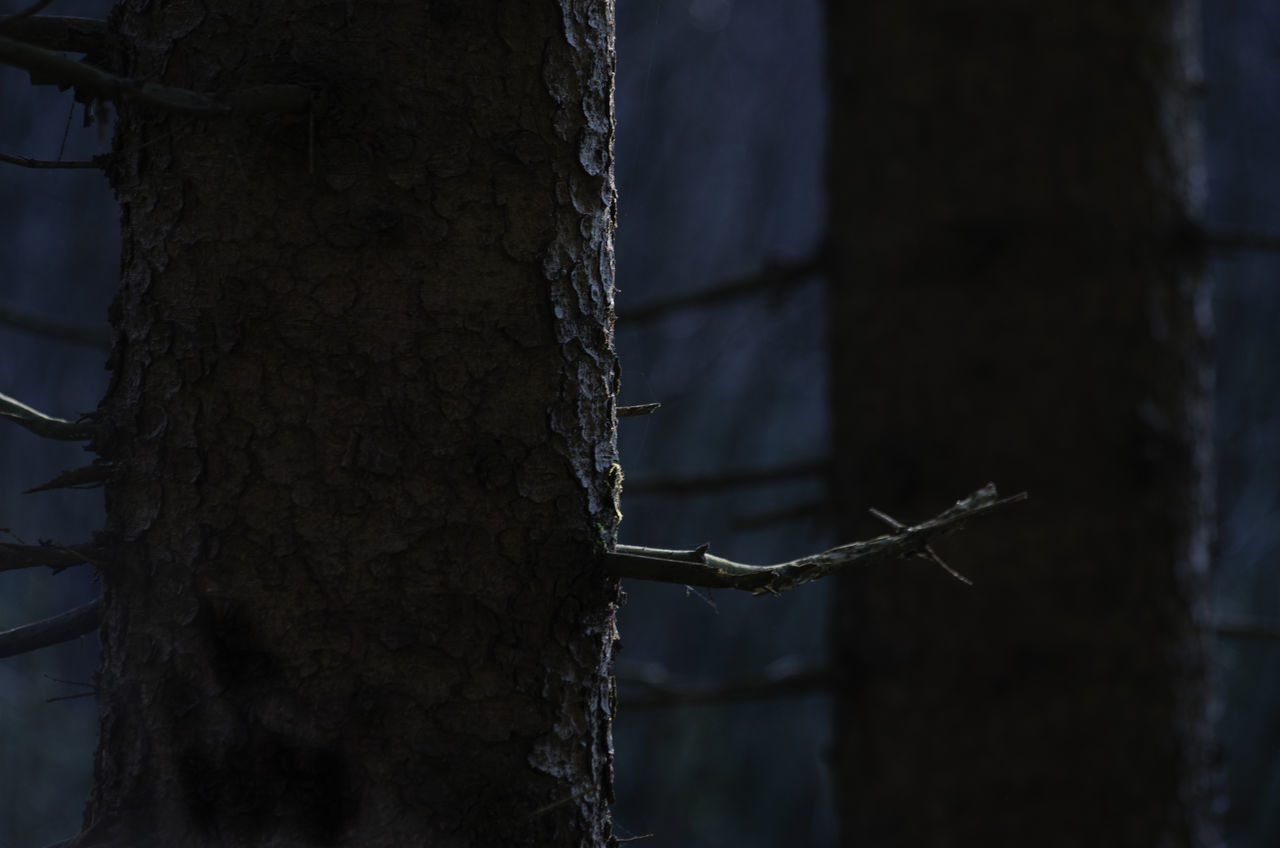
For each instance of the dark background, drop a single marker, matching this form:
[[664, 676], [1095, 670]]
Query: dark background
[[719, 166]]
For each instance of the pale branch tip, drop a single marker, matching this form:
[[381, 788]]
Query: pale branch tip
[[60, 628], [638, 409], [49, 66], [44, 425], [698, 568]]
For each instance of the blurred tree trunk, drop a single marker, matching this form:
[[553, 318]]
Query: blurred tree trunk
[[362, 420], [1012, 299]]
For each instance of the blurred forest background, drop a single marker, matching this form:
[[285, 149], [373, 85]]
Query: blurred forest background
[[720, 142]]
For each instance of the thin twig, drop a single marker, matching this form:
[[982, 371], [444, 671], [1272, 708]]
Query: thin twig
[[927, 552], [10, 20], [728, 480], [638, 409], [776, 277], [658, 692], [51, 631], [98, 337], [57, 557], [88, 477], [1240, 240], [50, 164], [699, 568], [51, 67], [1248, 630], [52, 32]]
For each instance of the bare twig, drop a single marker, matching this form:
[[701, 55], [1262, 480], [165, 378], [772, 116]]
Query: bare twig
[[75, 35], [776, 277], [1240, 240], [98, 337], [699, 568], [50, 164], [51, 631], [660, 692], [1248, 630], [638, 409], [729, 480], [57, 557], [43, 425], [89, 477], [10, 20], [927, 552], [48, 66]]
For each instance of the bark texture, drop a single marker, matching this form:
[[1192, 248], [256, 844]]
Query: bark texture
[[1013, 299], [362, 414]]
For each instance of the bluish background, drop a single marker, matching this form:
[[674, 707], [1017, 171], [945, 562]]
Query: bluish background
[[719, 163]]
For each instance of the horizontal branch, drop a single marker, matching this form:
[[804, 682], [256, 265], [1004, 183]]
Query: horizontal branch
[[699, 568], [1241, 240], [775, 276], [44, 425], [52, 32], [52, 164], [51, 631], [49, 66], [1248, 630], [728, 480], [658, 691], [99, 337], [57, 557]]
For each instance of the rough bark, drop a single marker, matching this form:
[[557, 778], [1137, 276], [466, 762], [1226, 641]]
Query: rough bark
[[362, 411], [1011, 299]]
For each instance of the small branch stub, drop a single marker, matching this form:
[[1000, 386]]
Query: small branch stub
[[699, 568]]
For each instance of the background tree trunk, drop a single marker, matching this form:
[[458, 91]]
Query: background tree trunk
[[361, 412], [1012, 299]]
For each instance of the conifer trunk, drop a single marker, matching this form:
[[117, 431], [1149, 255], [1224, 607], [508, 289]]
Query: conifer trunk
[[361, 412]]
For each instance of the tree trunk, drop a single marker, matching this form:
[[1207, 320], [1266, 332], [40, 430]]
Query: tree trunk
[[361, 413], [1013, 299]]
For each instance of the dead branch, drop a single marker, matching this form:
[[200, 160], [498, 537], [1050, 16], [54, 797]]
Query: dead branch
[[1240, 240], [775, 276], [638, 409], [698, 568], [88, 477], [658, 691], [52, 164], [51, 631], [57, 557], [729, 480], [75, 35], [1248, 630], [98, 337], [51, 67], [44, 425]]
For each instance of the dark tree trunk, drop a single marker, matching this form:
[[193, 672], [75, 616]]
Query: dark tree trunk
[[362, 416], [1012, 299]]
